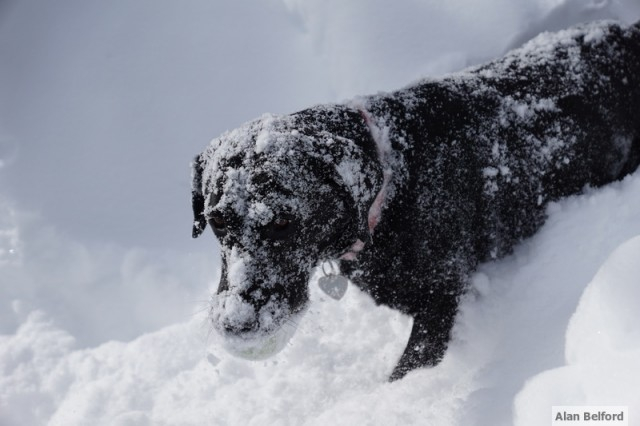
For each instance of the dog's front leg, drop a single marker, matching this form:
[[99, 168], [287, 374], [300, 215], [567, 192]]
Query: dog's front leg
[[429, 337]]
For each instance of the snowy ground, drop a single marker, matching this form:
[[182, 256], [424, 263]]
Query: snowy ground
[[103, 295]]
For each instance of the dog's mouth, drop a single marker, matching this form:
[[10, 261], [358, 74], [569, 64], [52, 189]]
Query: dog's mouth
[[253, 333]]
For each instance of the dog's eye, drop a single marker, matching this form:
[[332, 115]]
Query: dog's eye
[[281, 227], [280, 224], [217, 221]]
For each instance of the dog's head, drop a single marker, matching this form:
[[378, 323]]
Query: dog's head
[[281, 193]]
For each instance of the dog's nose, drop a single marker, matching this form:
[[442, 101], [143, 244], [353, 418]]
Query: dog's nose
[[239, 328], [240, 320]]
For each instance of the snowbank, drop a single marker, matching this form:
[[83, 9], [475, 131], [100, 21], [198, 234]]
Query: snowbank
[[602, 347]]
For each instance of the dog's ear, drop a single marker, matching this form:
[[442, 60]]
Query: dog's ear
[[355, 165], [369, 181], [197, 198]]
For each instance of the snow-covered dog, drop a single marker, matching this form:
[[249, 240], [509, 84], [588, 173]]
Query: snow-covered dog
[[411, 190]]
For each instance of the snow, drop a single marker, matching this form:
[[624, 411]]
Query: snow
[[104, 299]]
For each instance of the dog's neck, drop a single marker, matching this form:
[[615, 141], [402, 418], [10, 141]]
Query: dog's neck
[[381, 139]]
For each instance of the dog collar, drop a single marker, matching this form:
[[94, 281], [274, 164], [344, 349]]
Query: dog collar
[[381, 139], [353, 251]]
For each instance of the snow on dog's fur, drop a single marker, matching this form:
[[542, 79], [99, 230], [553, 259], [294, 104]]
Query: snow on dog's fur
[[411, 190]]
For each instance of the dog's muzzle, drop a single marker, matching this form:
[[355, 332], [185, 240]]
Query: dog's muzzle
[[254, 319], [252, 332]]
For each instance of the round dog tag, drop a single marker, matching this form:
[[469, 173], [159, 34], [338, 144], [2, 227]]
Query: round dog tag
[[334, 286]]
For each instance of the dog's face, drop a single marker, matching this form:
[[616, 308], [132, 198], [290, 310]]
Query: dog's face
[[280, 194]]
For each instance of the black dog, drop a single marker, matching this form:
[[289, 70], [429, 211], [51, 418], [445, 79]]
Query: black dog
[[412, 189]]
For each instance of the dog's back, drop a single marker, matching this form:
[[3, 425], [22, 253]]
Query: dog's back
[[569, 108], [488, 148]]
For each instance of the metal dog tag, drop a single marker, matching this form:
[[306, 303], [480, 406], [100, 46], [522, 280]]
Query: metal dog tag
[[334, 286]]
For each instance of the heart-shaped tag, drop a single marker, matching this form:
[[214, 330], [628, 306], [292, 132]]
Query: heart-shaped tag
[[334, 286]]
